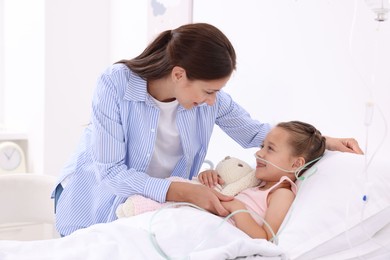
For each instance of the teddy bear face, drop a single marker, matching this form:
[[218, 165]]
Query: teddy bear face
[[232, 169]]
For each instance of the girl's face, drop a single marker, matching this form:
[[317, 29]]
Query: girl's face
[[191, 93], [277, 151]]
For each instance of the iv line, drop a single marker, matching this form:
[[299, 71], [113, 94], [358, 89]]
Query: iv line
[[152, 236], [153, 240], [367, 123], [274, 239]]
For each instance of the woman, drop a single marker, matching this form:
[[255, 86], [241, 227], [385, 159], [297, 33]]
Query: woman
[[152, 117]]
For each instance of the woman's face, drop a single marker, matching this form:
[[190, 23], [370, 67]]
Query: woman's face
[[276, 150], [191, 93]]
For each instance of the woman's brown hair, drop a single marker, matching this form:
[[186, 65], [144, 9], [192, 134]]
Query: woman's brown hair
[[200, 48]]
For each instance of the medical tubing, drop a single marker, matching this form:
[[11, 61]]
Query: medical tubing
[[274, 165], [353, 65], [381, 141], [152, 236], [274, 239], [153, 240], [365, 197], [309, 173], [296, 172], [274, 236], [368, 119], [209, 163]]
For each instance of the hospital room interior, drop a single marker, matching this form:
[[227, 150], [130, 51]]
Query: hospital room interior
[[325, 62]]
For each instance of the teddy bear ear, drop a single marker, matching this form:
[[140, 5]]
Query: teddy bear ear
[[227, 157]]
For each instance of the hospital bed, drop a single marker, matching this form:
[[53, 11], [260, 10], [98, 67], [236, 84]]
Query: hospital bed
[[342, 211]]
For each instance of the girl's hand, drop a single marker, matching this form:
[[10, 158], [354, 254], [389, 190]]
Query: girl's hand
[[210, 178]]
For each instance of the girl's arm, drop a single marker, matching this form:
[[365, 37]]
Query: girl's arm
[[279, 203], [244, 220]]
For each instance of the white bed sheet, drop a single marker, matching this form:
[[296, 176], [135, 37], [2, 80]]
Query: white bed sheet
[[178, 231], [376, 248]]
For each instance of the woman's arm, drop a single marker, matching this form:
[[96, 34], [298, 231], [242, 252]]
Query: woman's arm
[[343, 145], [236, 122], [200, 195]]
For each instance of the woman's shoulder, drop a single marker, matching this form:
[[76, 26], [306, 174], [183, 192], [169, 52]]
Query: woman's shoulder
[[117, 68], [120, 79], [121, 76]]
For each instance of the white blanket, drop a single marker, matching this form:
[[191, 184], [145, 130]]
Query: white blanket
[[181, 233]]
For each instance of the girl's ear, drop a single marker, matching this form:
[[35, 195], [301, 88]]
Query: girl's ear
[[299, 162], [178, 73]]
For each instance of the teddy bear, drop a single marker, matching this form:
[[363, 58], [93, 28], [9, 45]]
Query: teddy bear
[[237, 174]]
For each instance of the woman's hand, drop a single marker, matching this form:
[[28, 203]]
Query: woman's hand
[[200, 195], [349, 145], [210, 178], [233, 205]]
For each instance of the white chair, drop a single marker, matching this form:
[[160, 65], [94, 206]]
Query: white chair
[[26, 209]]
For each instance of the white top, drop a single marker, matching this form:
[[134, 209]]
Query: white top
[[168, 149]]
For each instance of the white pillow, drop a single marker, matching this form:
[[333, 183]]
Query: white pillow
[[329, 213]]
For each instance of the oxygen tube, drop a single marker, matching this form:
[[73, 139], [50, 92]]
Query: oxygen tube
[[274, 239]]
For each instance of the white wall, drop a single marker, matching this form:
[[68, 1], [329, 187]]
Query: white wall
[[23, 56], [23, 65], [305, 60], [1, 65], [128, 29], [76, 51]]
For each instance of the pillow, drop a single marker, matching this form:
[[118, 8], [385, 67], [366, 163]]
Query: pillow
[[337, 207]]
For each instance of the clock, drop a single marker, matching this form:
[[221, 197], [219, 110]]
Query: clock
[[12, 159]]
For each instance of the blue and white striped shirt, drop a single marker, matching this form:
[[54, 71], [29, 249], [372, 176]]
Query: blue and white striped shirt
[[116, 148]]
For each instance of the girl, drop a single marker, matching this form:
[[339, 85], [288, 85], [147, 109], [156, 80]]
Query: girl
[[289, 149]]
